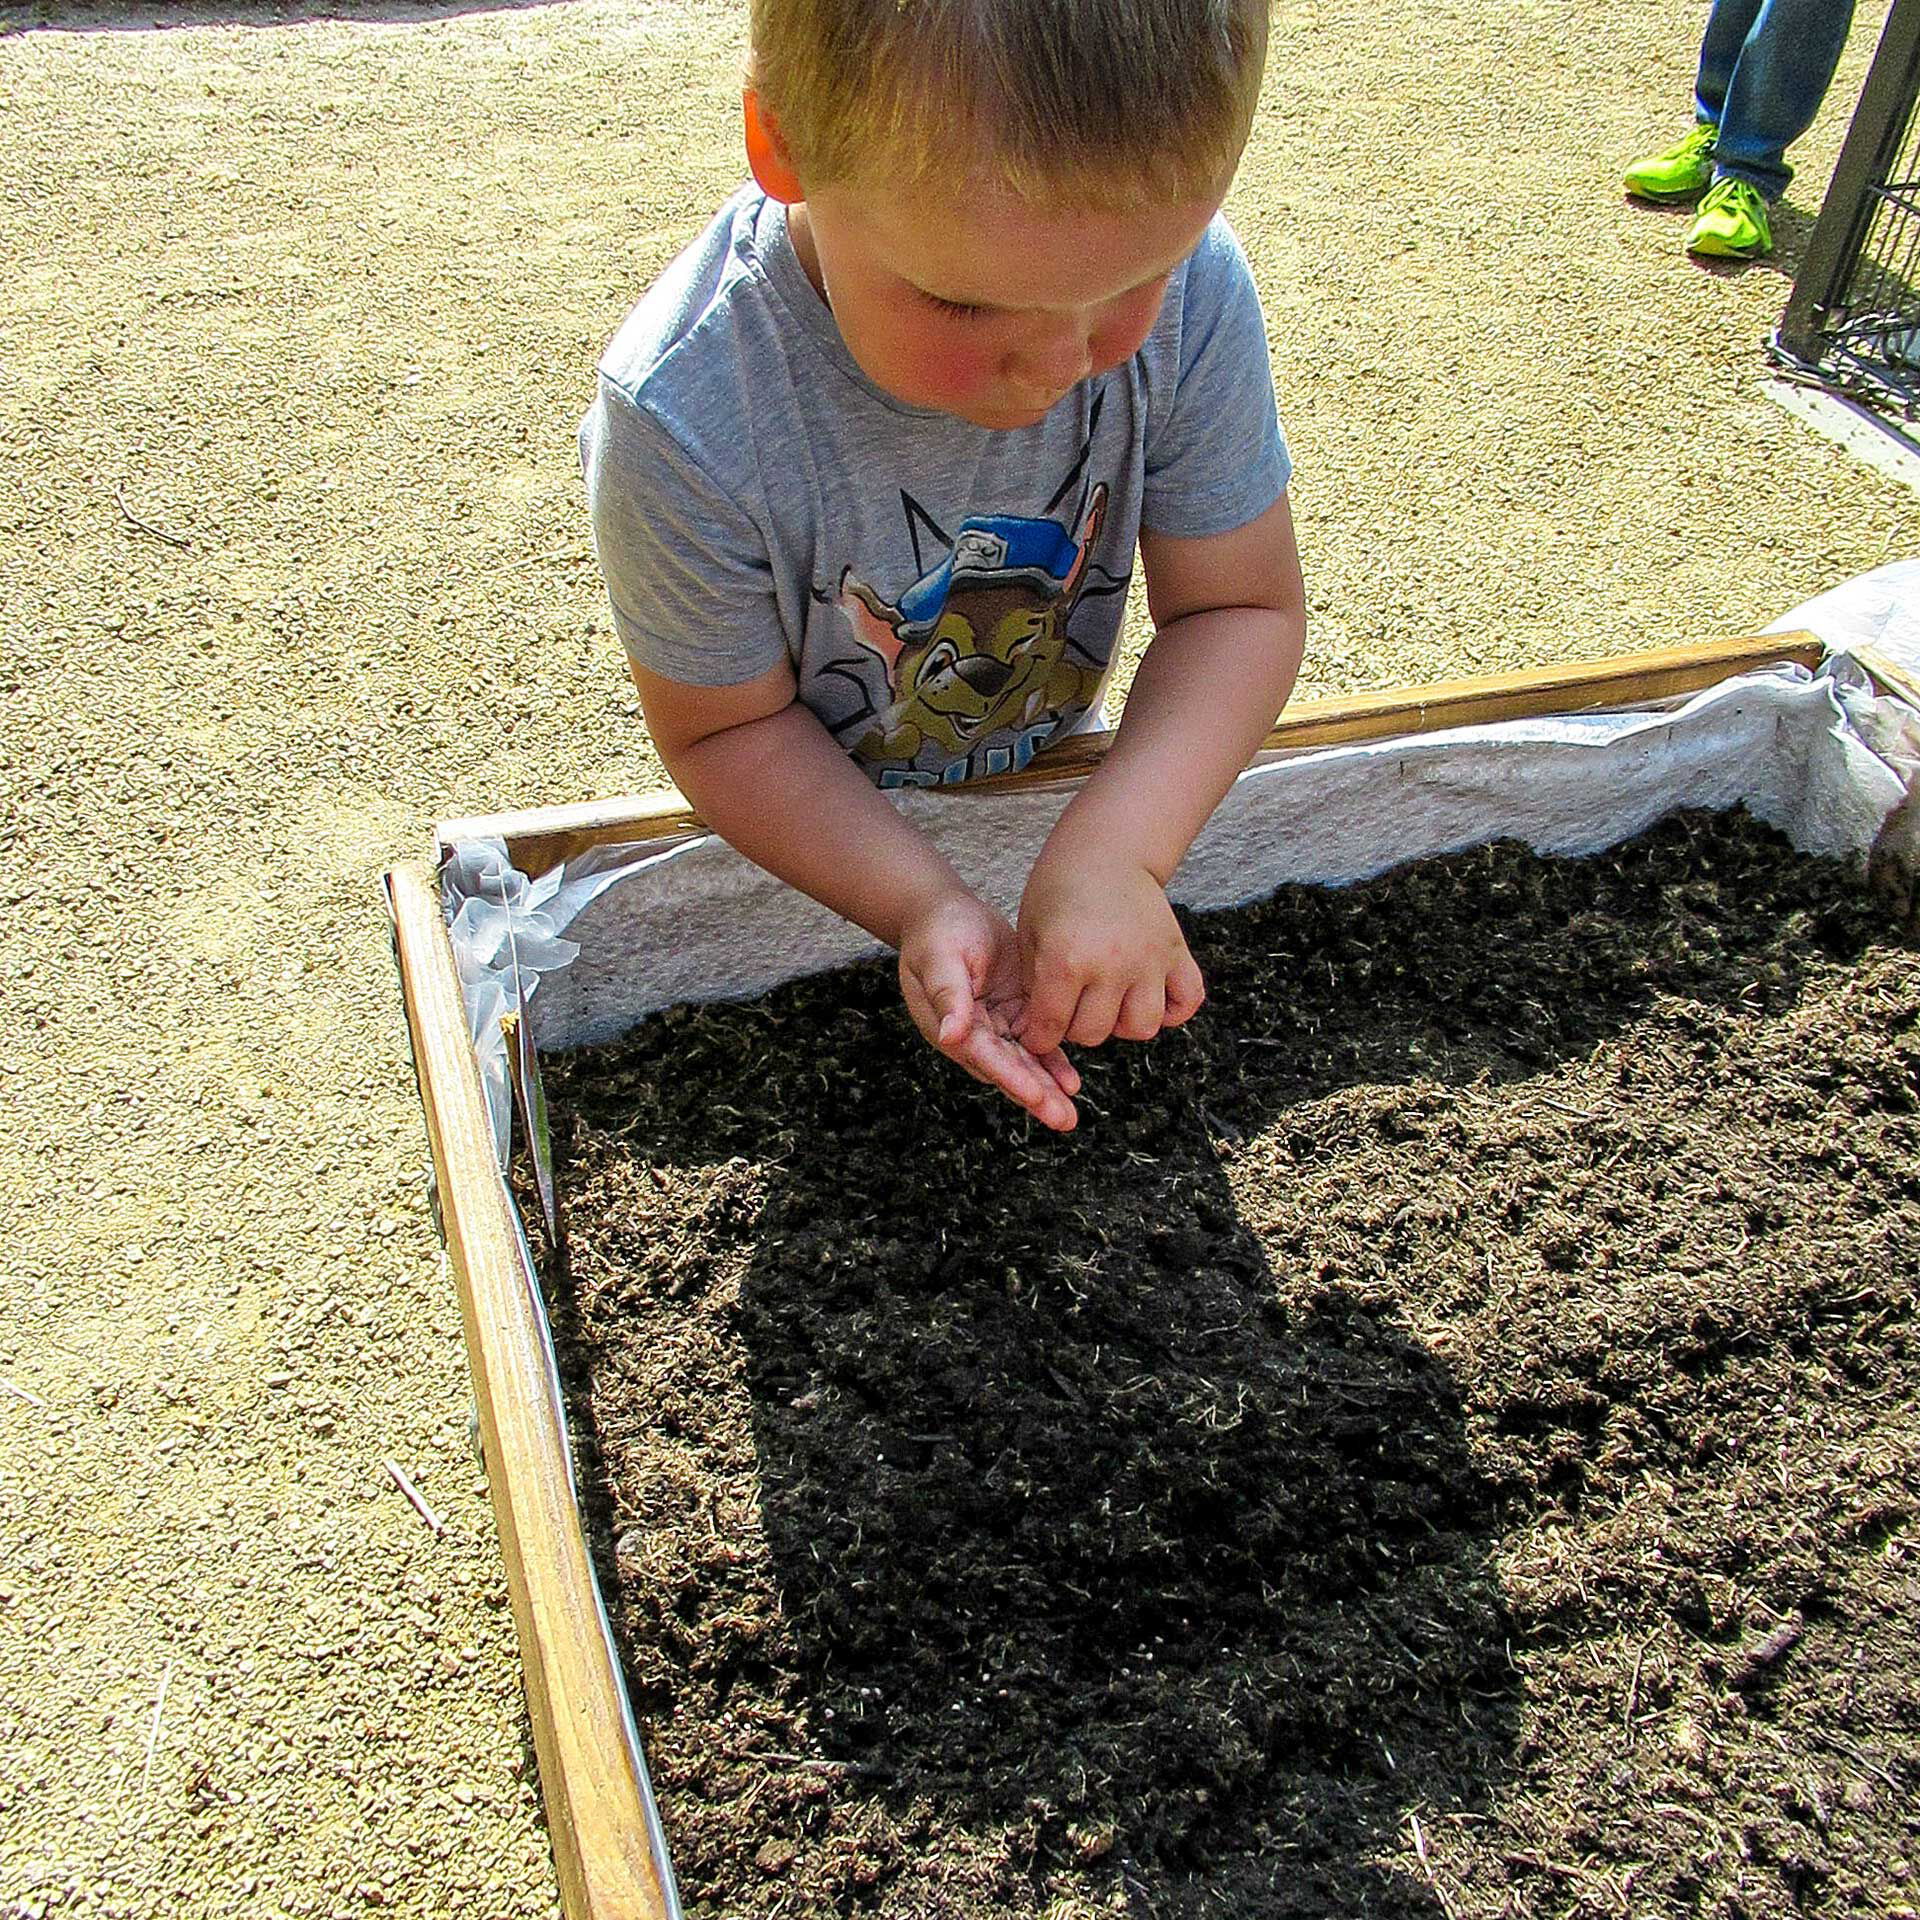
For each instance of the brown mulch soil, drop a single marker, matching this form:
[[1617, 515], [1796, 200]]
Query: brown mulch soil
[[1440, 1439]]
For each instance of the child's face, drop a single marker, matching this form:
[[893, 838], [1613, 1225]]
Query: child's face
[[981, 305]]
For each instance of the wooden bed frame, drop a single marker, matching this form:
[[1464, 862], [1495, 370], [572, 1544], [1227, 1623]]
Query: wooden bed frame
[[597, 1810]]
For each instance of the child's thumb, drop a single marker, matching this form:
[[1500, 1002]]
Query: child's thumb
[[949, 992], [956, 1017]]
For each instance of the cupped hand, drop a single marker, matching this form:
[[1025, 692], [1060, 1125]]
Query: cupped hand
[[960, 977], [1102, 956]]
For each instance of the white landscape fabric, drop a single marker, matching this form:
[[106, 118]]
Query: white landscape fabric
[[1878, 609], [622, 932]]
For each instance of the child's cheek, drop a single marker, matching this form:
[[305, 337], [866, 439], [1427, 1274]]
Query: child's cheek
[[953, 371], [1123, 336], [1126, 329]]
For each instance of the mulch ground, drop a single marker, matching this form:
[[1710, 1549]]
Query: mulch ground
[[1440, 1439]]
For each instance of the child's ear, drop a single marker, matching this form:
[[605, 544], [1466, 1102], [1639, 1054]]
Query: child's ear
[[767, 154]]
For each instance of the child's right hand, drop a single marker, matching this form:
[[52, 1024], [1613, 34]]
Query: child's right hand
[[960, 977]]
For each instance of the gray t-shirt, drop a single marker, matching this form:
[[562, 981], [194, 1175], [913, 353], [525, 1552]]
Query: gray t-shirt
[[948, 595]]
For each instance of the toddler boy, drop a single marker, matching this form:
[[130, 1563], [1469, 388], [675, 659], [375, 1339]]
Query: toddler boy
[[870, 462]]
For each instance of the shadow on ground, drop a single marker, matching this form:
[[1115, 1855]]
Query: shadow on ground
[[1792, 229]]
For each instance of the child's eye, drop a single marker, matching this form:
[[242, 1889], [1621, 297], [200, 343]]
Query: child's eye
[[953, 307]]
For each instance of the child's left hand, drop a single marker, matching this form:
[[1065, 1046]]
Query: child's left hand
[[1101, 955], [960, 977]]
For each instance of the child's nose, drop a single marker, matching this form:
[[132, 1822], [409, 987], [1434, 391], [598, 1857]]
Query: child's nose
[[1054, 363]]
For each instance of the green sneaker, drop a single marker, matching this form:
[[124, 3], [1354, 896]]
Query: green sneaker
[[1680, 172], [1731, 223]]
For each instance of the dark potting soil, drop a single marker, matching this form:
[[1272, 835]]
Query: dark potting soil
[[1440, 1439]]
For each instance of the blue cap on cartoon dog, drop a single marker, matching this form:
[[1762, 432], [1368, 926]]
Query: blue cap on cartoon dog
[[998, 544]]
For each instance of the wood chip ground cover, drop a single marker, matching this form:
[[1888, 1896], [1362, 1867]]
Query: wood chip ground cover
[[1459, 1389]]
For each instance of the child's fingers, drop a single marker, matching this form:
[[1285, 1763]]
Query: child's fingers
[[940, 998], [1142, 1013], [1093, 1019], [1026, 1081], [1186, 992], [1053, 996], [1053, 1110], [1065, 1075]]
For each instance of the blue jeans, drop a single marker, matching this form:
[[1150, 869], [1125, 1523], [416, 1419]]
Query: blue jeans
[[1765, 66]]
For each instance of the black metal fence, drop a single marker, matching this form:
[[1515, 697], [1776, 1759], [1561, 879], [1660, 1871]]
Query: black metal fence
[[1853, 322]]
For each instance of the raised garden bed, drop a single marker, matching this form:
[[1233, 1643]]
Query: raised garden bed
[[610, 910], [1441, 1438]]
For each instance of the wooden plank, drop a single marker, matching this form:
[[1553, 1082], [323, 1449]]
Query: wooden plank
[[1893, 676], [596, 1814], [539, 838]]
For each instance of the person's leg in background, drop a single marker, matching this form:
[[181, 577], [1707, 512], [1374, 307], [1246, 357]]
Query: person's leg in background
[[1685, 169], [1765, 66], [1763, 89], [1728, 25], [1763, 86]]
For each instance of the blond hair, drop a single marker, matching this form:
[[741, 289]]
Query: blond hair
[[1101, 102]]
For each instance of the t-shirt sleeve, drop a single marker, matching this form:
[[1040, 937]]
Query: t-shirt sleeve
[[686, 566], [1215, 456]]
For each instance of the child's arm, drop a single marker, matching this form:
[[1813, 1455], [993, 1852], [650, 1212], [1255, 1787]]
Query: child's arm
[[1102, 953], [760, 769]]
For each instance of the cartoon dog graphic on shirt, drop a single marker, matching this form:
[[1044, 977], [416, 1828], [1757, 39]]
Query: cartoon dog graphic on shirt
[[979, 644]]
